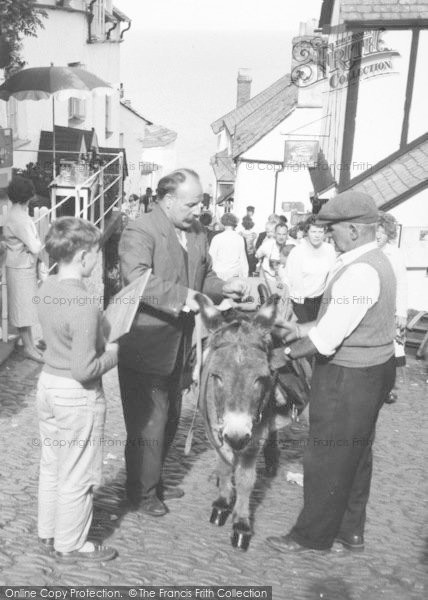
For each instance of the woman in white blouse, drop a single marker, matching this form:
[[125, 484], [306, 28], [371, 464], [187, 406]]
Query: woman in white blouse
[[227, 250], [23, 247], [306, 271]]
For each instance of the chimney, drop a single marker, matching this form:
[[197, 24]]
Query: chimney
[[244, 87]]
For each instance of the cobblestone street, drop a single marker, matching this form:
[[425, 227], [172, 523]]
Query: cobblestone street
[[183, 548]]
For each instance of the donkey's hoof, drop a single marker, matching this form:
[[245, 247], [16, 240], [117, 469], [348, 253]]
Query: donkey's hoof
[[219, 514], [241, 536]]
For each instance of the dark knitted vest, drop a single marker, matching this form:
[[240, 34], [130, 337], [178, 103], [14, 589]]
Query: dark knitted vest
[[371, 342]]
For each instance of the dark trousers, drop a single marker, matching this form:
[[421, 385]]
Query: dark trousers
[[151, 408], [337, 462], [308, 311]]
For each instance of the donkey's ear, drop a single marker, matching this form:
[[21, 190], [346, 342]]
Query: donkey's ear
[[211, 316], [267, 314]]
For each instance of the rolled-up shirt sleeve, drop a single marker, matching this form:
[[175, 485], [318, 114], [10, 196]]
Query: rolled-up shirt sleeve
[[353, 293]]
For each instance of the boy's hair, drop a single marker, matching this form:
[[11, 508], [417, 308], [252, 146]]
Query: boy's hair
[[247, 223], [68, 235]]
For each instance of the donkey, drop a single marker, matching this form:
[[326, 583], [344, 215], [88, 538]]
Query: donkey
[[239, 396]]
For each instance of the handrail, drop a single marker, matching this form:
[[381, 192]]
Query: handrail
[[46, 213]]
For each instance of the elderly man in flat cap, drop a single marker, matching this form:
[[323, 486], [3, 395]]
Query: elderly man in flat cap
[[354, 371]]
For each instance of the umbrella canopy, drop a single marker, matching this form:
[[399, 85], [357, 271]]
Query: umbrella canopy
[[39, 83]]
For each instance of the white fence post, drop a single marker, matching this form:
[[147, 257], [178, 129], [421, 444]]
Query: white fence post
[[120, 180], [102, 199]]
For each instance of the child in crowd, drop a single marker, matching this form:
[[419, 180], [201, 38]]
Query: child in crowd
[[70, 399]]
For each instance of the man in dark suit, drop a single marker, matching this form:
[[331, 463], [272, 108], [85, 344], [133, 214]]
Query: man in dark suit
[[170, 241]]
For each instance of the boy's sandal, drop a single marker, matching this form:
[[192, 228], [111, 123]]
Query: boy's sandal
[[100, 553]]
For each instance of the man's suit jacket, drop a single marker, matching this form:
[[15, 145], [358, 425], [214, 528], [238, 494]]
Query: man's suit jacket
[[151, 242]]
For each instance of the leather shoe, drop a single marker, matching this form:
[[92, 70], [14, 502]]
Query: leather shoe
[[172, 493], [391, 397], [285, 543], [153, 506], [354, 543]]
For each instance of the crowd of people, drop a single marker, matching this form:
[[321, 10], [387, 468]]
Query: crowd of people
[[187, 258]]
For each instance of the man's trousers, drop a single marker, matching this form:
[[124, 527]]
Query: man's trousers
[[343, 410], [151, 408]]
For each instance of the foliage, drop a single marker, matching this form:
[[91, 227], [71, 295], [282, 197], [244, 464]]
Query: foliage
[[19, 18]]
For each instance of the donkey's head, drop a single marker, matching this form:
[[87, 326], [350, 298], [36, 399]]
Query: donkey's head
[[239, 351]]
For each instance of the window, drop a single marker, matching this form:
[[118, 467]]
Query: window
[[76, 109], [108, 116], [99, 22]]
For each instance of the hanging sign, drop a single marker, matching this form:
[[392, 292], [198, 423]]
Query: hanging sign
[[303, 153]]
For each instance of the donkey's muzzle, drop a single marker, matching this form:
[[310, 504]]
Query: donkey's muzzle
[[237, 442]]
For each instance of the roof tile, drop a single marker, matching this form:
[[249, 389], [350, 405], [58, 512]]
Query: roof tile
[[401, 175]]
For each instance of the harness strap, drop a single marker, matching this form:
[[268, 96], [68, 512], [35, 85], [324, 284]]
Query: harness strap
[[197, 383]]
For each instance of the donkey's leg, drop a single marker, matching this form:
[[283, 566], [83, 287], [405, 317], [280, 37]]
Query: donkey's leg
[[245, 478], [222, 506]]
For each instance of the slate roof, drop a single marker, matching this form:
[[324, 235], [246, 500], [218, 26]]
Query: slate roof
[[386, 10], [264, 119], [223, 167], [129, 107], [158, 135], [235, 116], [397, 177], [68, 140]]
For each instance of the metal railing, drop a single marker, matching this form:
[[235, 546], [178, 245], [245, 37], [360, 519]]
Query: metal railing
[[44, 216]]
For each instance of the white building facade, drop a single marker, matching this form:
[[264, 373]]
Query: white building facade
[[374, 68], [82, 33]]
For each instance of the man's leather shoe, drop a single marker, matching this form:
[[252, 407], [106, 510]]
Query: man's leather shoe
[[153, 506], [171, 493], [354, 543], [285, 543], [391, 397]]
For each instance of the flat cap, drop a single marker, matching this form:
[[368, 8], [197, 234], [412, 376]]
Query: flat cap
[[349, 206]]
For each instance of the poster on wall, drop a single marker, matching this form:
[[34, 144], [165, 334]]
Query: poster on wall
[[414, 245]]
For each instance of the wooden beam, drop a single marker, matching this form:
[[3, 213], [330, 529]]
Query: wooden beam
[[409, 87], [350, 117], [386, 24]]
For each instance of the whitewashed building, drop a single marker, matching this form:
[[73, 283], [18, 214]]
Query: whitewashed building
[[374, 139], [150, 149], [251, 163], [76, 33]]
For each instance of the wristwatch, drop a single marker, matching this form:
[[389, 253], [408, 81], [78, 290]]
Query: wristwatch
[[287, 350]]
